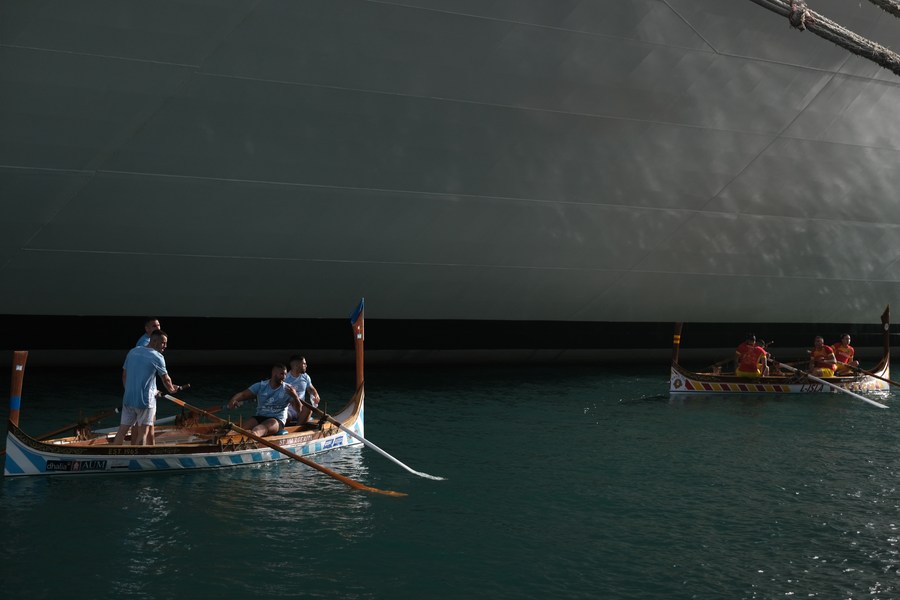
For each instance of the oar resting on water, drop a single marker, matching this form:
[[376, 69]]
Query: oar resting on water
[[829, 384], [342, 478], [371, 445]]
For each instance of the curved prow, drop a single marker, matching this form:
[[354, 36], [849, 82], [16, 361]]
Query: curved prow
[[15, 390], [886, 332], [357, 321], [676, 343]]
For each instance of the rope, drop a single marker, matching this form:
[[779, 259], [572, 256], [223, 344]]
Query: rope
[[802, 18], [889, 6], [799, 14]]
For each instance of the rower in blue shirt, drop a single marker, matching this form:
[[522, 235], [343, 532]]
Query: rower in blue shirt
[[150, 325], [300, 380], [272, 400], [142, 365]]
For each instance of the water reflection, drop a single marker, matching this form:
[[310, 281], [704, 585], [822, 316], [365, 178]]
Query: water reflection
[[321, 502]]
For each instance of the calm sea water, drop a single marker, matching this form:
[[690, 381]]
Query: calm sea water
[[561, 483]]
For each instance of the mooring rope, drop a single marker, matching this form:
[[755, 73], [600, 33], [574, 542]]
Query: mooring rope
[[890, 6], [802, 18]]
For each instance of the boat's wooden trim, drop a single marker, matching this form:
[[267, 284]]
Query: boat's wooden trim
[[676, 342]]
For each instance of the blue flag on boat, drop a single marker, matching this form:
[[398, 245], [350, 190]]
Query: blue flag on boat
[[358, 311], [357, 320]]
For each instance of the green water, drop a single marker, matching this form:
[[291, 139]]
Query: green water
[[562, 483]]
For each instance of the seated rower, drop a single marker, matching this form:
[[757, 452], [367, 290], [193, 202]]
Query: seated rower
[[300, 380], [749, 342], [765, 346], [822, 362], [776, 366], [844, 352], [753, 362], [273, 398]]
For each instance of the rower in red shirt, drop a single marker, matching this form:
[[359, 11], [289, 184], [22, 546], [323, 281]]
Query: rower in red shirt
[[844, 352], [749, 342], [752, 359], [822, 361]]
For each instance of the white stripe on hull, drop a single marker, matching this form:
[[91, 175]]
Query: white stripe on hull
[[23, 460]]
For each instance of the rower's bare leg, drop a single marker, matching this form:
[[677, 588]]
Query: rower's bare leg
[[139, 436], [120, 435], [267, 427]]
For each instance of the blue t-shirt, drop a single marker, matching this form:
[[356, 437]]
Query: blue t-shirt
[[143, 340], [269, 402], [141, 366], [300, 383]]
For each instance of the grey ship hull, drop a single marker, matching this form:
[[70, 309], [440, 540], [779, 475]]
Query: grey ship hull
[[554, 162]]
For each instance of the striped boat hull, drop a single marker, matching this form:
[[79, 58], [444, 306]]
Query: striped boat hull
[[682, 381], [26, 456]]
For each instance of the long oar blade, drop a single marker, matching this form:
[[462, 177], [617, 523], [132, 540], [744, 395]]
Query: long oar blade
[[371, 445], [342, 478], [836, 387], [871, 374]]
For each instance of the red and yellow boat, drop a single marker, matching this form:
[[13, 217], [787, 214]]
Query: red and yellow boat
[[791, 381]]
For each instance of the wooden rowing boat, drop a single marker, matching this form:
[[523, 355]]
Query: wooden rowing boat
[[683, 381], [178, 447]]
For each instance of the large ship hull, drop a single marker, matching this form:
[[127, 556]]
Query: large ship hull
[[635, 161]]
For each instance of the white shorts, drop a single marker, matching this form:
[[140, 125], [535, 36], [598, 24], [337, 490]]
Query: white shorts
[[138, 416]]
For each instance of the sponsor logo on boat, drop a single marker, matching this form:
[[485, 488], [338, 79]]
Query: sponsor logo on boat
[[76, 465], [333, 443]]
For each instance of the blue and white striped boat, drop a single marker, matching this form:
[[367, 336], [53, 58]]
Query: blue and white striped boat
[[204, 446], [180, 447]]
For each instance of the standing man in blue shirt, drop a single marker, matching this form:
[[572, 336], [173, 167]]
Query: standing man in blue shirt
[[150, 325], [142, 365]]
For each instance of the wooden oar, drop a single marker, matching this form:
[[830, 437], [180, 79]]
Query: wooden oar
[[161, 421], [343, 479], [87, 421], [371, 445], [869, 373], [836, 387], [718, 364]]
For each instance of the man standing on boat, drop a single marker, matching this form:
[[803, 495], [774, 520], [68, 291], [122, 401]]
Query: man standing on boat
[[273, 397], [142, 365], [150, 325], [300, 380], [822, 361]]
